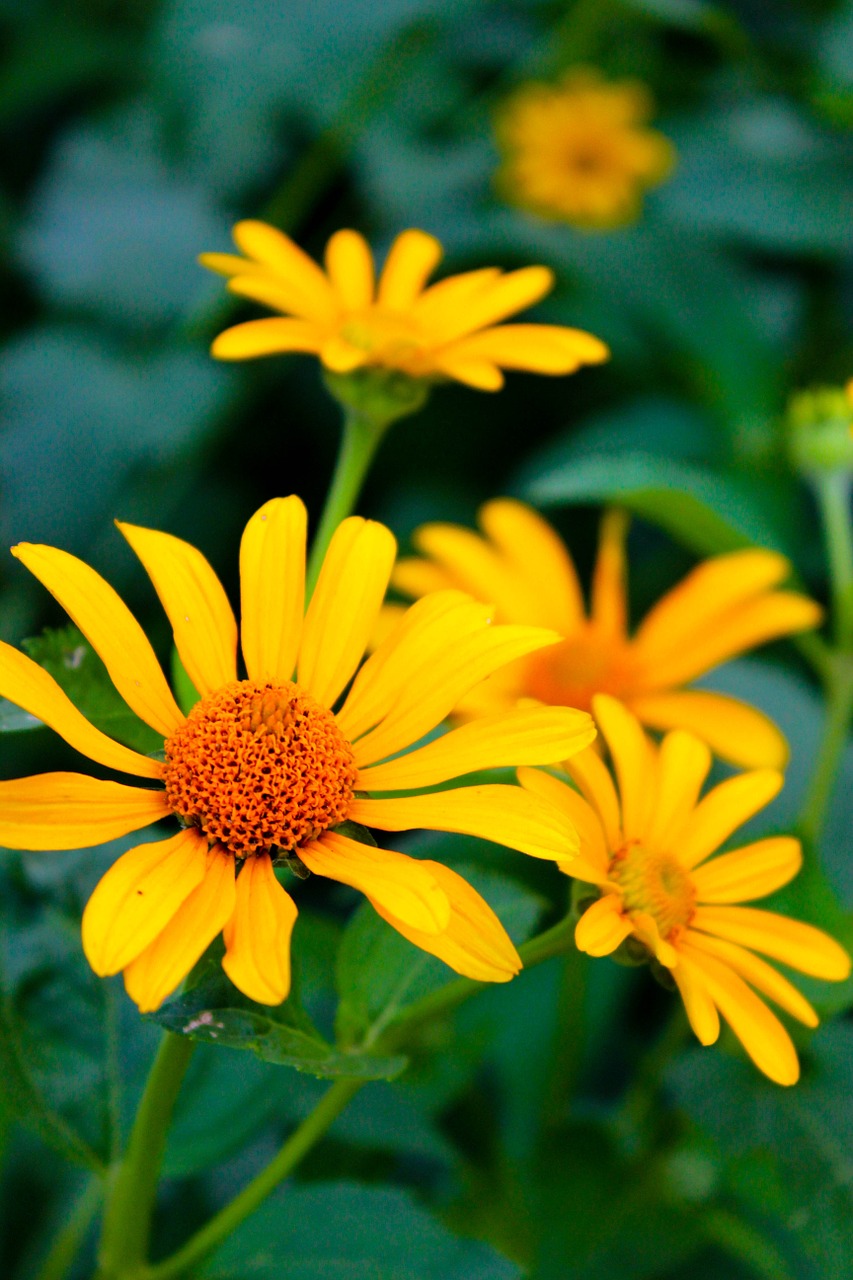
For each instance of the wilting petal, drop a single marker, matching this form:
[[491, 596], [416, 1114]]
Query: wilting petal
[[404, 886], [73, 811], [801, 946], [138, 897], [411, 260], [257, 937], [349, 264], [734, 730], [750, 872], [602, 927], [723, 810], [758, 974], [272, 588]]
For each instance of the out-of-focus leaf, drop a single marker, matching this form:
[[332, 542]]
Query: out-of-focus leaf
[[14, 720], [341, 1231], [67, 656]]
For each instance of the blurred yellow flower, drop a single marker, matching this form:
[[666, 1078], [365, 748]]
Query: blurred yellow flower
[[265, 766], [450, 330], [725, 606], [647, 848], [580, 151]]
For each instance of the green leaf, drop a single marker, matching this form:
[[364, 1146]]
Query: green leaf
[[214, 1012], [14, 720], [69, 658], [344, 1231]]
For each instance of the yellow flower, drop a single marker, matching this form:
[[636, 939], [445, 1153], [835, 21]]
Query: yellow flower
[[647, 848], [580, 151], [266, 766], [725, 606], [449, 330]]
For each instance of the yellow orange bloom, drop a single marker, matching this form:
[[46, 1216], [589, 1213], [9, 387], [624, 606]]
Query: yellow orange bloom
[[270, 765], [351, 321], [725, 606], [646, 845], [580, 151]]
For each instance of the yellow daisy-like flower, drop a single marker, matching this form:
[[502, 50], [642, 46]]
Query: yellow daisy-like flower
[[351, 321], [265, 766], [725, 606], [647, 848], [580, 151]]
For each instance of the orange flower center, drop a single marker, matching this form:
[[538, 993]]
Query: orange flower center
[[656, 884], [259, 765], [569, 673], [388, 337]]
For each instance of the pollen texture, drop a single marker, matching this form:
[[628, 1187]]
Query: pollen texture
[[258, 766], [657, 884]]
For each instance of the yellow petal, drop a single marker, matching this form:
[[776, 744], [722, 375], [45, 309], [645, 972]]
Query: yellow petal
[[162, 966], [28, 685], [415, 577], [800, 946], [758, 974], [758, 1029], [272, 588], [404, 886], [196, 605], [225, 264], [286, 260], [646, 929], [443, 300], [537, 348], [72, 811], [593, 860], [474, 565], [411, 260], [349, 264], [345, 606], [735, 731], [138, 897], [474, 942], [698, 1005], [494, 301], [609, 589], [682, 767], [591, 776], [602, 927], [480, 374], [280, 295], [527, 735], [723, 810], [342, 356], [535, 549], [634, 761], [257, 937], [269, 337], [751, 872], [505, 815], [110, 628]]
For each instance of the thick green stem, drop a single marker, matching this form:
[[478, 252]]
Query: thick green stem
[[839, 697], [130, 1202], [360, 441], [67, 1244], [298, 1144], [833, 489]]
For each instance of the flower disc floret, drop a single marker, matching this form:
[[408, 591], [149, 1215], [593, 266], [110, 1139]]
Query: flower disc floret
[[654, 884], [258, 766]]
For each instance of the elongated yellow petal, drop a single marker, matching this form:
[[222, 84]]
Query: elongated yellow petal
[[341, 355], [505, 815], [758, 974], [800, 946], [473, 942], [609, 580], [290, 263], [162, 966], [682, 767], [270, 337], [411, 260], [225, 264], [474, 565], [537, 348], [602, 927], [138, 897], [345, 605], [591, 776], [415, 577], [349, 264], [28, 685], [474, 372], [734, 730], [723, 810], [751, 872], [257, 937], [698, 1005], [110, 628], [494, 301], [758, 1029], [404, 886], [593, 859], [535, 550], [272, 587], [73, 811], [634, 761], [196, 605], [527, 735], [280, 295]]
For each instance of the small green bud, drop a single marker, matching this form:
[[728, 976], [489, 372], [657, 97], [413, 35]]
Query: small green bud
[[379, 395], [820, 430]]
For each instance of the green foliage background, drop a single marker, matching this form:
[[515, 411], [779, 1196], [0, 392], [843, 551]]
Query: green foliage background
[[535, 1133]]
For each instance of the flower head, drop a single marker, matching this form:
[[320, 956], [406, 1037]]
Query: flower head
[[647, 848], [725, 606], [268, 766], [352, 322], [580, 151]]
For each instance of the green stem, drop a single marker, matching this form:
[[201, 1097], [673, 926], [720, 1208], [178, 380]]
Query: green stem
[[833, 489], [360, 440], [839, 697], [67, 1244], [127, 1217], [298, 1144]]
